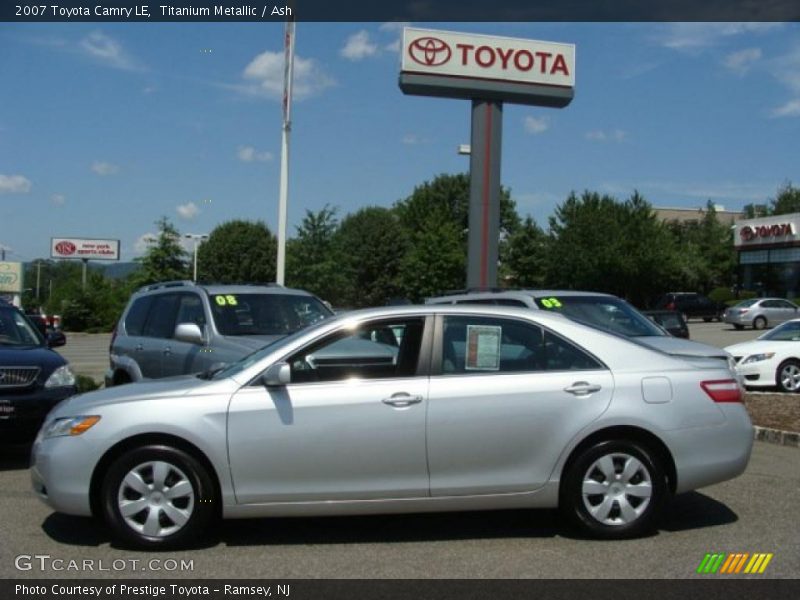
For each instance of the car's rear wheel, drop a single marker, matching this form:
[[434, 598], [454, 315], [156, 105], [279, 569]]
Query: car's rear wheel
[[157, 497], [787, 376], [759, 323], [708, 319], [738, 327], [614, 489]]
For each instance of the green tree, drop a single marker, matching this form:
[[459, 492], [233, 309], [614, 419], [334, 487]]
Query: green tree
[[238, 252], [371, 245], [165, 259], [312, 259], [435, 261], [524, 263], [786, 201]]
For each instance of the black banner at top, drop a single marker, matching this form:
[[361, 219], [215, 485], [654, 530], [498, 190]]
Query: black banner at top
[[397, 10]]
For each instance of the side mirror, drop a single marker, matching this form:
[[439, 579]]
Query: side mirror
[[189, 332], [277, 375]]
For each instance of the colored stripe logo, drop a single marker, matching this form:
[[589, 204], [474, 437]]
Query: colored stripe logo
[[734, 563]]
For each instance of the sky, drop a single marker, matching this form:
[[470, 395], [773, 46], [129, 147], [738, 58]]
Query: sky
[[105, 127]]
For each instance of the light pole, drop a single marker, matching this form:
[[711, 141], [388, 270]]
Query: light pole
[[198, 238]]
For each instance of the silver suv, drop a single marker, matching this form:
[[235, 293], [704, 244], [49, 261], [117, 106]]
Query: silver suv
[[179, 327], [598, 310]]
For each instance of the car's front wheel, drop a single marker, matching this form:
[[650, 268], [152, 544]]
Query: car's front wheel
[[157, 497], [759, 323], [614, 489], [788, 376]]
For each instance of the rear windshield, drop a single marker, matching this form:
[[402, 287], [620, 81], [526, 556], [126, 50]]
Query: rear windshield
[[265, 314], [16, 330], [602, 312]]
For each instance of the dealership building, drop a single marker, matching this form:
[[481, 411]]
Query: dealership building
[[768, 252]]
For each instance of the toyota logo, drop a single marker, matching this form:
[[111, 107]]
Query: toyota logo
[[65, 247], [429, 51]]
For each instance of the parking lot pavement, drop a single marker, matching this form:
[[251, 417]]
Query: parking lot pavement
[[720, 334], [87, 353], [757, 512]]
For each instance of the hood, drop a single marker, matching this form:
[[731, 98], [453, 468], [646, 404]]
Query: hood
[[683, 348], [170, 388], [31, 356], [751, 347]]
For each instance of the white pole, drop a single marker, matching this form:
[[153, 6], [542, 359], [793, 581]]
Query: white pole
[[283, 192]]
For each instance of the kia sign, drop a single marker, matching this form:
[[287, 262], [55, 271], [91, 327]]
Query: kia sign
[[86, 249], [461, 65]]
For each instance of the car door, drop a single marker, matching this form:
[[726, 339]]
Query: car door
[[181, 358], [785, 310], [506, 396], [349, 426], [157, 333]]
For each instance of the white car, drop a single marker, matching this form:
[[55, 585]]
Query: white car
[[772, 359]]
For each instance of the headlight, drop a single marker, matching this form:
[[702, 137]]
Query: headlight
[[61, 377], [758, 357], [70, 426]]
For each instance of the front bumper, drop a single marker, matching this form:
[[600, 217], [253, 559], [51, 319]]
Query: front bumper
[[758, 374], [61, 473], [22, 413]]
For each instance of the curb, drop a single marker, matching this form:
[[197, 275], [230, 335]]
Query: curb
[[776, 436]]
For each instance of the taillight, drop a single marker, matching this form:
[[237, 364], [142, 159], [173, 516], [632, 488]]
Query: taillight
[[722, 390], [671, 306]]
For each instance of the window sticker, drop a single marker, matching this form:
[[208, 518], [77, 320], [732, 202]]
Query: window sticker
[[483, 348], [227, 300], [550, 302]]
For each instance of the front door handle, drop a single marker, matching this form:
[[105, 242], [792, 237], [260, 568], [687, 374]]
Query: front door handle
[[167, 351], [401, 399], [582, 388]]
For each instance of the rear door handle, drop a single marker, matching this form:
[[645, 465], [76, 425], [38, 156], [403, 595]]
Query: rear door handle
[[139, 347], [582, 388], [167, 351], [401, 399]]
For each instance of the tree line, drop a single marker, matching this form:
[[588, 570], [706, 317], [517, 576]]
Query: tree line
[[418, 248]]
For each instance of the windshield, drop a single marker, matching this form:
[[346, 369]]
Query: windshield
[[788, 332], [746, 303], [602, 312], [265, 314], [252, 358], [16, 330]]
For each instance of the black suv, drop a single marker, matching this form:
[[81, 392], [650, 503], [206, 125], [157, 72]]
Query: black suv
[[33, 378], [691, 304]]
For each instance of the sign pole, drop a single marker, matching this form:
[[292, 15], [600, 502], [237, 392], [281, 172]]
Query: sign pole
[[484, 193], [283, 192]]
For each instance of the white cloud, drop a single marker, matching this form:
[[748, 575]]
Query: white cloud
[[14, 184], [264, 75], [359, 46], [104, 168], [108, 51], [740, 62], [144, 242], [58, 199], [790, 109], [394, 28], [536, 125], [412, 139], [250, 154], [695, 37], [188, 211], [598, 135]]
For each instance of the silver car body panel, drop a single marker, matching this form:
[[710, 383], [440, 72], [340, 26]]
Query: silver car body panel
[[470, 442]]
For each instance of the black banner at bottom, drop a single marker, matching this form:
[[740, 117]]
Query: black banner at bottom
[[436, 589]]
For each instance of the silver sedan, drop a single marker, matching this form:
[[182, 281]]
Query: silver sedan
[[402, 409], [760, 313]]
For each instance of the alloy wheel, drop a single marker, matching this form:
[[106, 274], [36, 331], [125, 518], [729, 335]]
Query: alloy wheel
[[790, 377]]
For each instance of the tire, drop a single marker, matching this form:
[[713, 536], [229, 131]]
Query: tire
[[708, 319], [787, 377], [148, 477], [738, 327], [759, 323], [623, 508]]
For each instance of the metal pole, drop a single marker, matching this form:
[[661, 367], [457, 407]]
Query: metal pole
[[38, 278], [83, 275], [283, 192], [484, 193], [195, 259]]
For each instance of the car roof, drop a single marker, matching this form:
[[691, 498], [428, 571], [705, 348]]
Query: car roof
[[527, 293], [220, 288], [452, 309]]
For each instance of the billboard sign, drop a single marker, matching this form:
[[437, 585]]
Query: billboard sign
[[10, 277], [87, 249], [466, 65], [781, 230]]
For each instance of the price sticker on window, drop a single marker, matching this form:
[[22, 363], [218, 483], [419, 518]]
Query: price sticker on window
[[226, 300], [550, 302]]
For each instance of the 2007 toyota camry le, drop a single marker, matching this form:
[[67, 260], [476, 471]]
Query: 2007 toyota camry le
[[402, 409]]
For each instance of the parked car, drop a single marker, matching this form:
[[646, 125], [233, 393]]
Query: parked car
[[691, 305], [176, 328], [402, 409], [771, 360], [33, 378], [603, 311], [670, 320], [760, 313], [55, 337]]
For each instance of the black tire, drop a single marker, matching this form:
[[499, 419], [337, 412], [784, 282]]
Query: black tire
[[759, 323], [196, 503], [575, 507], [786, 376], [738, 327], [121, 378], [708, 319]]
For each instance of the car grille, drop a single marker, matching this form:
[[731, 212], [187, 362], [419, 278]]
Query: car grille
[[16, 377]]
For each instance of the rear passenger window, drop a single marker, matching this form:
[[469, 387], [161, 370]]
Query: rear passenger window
[[161, 319], [134, 321]]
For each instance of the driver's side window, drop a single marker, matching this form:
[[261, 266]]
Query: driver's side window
[[372, 350]]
